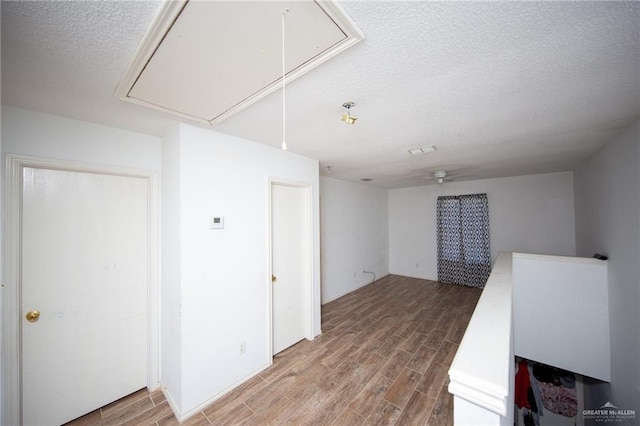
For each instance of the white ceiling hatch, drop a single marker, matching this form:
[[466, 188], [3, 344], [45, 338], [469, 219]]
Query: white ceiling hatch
[[208, 60]]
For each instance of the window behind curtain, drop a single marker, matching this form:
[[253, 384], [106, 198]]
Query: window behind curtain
[[464, 255]]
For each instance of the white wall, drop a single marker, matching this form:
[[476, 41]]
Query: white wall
[[607, 198], [224, 274], [531, 214], [355, 236], [2, 378], [42, 135], [560, 308], [171, 320]]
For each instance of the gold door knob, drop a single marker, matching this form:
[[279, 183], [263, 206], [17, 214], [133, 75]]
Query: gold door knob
[[273, 278], [32, 316]]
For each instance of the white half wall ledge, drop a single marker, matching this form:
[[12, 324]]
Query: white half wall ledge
[[514, 304], [482, 370]]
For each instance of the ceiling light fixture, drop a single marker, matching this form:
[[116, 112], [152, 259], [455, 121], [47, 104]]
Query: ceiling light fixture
[[348, 118], [284, 107]]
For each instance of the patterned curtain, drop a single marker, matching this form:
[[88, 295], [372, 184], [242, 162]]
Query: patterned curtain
[[464, 256]]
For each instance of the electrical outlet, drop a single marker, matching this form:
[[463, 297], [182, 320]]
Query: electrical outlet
[[242, 348], [417, 265]]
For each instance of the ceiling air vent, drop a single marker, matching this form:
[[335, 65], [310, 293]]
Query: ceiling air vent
[[422, 150], [207, 60]]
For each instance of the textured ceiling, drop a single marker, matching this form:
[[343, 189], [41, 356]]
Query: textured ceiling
[[501, 89], [67, 57]]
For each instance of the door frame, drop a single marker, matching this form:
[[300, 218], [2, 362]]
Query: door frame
[[309, 293], [11, 281]]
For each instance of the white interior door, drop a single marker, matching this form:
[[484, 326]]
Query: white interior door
[[84, 268], [291, 264]]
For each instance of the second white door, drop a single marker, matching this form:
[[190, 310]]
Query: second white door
[[291, 263]]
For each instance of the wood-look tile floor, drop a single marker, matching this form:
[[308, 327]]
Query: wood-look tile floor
[[382, 359]]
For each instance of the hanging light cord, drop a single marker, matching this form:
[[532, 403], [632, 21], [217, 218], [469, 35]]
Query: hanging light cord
[[284, 104]]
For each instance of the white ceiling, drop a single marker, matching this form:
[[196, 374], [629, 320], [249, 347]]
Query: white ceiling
[[501, 88]]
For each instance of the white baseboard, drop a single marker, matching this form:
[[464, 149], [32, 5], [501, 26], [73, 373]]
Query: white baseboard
[[420, 277], [170, 401], [182, 417], [339, 295]]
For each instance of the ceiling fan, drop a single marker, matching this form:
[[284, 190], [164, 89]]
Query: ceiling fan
[[440, 176]]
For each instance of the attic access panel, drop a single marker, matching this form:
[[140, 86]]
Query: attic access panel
[[208, 60]]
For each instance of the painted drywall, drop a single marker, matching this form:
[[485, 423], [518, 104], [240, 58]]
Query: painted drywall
[[354, 236], [551, 335], [530, 214], [171, 343], [224, 274], [42, 135], [608, 222], [2, 379]]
